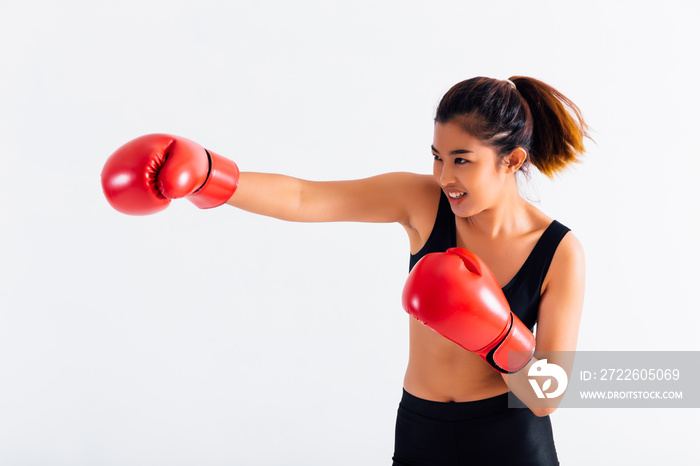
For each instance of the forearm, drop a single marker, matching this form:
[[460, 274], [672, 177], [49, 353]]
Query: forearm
[[272, 195], [519, 382]]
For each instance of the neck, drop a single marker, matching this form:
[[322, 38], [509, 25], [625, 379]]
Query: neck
[[506, 216]]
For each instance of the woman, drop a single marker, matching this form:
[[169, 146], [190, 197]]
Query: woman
[[454, 409]]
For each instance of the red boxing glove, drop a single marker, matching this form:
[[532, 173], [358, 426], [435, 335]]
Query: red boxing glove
[[143, 175], [455, 294]]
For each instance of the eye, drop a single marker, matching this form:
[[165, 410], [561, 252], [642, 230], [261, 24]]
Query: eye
[[437, 158], [461, 161]]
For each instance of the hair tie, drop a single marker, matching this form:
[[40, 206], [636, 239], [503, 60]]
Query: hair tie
[[512, 84]]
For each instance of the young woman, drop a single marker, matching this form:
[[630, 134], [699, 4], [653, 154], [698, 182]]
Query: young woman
[[455, 407]]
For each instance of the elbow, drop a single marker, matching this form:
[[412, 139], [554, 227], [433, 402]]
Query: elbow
[[542, 412]]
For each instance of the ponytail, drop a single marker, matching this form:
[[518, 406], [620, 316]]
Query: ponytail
[[558, 128], [518, 112]]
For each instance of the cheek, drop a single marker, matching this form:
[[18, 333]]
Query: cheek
[[487, 185]]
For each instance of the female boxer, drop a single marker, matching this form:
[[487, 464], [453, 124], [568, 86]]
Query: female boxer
[[454, 408]]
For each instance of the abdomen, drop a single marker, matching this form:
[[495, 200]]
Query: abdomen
[[440, 370]]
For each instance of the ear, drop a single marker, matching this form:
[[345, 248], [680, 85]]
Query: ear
[[515, 159]]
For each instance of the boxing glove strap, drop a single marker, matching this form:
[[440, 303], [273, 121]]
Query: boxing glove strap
[[519, 342], [221, 183]]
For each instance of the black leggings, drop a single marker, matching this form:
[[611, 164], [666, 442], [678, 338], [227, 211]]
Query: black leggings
[[483, 432]]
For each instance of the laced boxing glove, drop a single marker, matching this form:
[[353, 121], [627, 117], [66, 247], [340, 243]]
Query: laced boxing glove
[[143, 175], [455, 294]]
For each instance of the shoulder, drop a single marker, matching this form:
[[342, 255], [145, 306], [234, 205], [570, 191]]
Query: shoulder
[[409, 186], [420, 196], [423, 198], [570, 250], [568, 260], [568, 264], [420, 184], [415, 193]]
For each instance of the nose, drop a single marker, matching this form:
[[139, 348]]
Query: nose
[[446, 175]]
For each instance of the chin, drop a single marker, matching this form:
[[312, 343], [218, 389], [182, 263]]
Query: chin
[[464, 211]]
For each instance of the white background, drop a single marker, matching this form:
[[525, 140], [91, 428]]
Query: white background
[[218, 337]]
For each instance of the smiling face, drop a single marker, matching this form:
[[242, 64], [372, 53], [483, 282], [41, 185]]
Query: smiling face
[[472, 174]]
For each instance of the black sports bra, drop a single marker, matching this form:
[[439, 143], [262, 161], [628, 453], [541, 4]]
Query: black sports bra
[[523, 291]]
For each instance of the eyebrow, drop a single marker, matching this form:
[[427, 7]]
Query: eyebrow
[[454, 152]]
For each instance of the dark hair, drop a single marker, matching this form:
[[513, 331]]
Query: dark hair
[[527, 113]]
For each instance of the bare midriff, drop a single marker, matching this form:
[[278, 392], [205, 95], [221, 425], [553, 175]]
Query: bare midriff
[[440, 370]]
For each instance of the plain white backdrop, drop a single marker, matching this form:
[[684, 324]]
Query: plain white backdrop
[[221, 338]]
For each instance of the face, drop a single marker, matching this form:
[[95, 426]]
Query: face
[[471, 174]]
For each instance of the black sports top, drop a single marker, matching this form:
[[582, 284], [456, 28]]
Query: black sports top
[[523, 291]]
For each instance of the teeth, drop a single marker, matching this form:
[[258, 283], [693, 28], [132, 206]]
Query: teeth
[[456, 195]]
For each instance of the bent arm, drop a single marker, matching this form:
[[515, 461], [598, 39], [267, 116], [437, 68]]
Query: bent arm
[[386, 198], [558, 322]]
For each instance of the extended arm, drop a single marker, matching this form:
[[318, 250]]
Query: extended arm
[[143, 175], [384, 198]]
